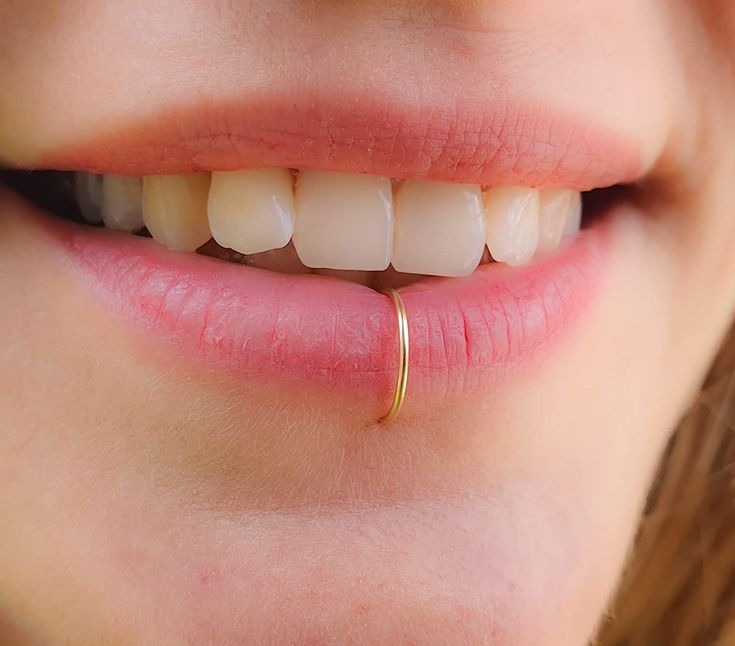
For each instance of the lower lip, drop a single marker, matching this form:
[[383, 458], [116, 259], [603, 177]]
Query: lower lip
[[465, 334]]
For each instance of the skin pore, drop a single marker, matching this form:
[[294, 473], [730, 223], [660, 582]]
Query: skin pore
[[147, 498]]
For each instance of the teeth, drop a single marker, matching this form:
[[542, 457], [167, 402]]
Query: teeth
[[252, 211], [122, 202], [343, 221], [175, 210], [88, 192], [339, 224], [512, 223], [553, 209], [440, 228], [574, 216]]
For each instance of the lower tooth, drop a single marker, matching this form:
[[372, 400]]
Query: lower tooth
[[512, 223], [88, 192], [122, 202], [360, 277], [439, 230], [175, 210]]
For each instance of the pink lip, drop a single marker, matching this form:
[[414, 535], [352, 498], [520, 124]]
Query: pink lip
[[465, 333], [512, 141]]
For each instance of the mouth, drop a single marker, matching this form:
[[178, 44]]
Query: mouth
[[275, 271]]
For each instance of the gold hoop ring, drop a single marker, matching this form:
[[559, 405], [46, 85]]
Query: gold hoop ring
[[400, 393]]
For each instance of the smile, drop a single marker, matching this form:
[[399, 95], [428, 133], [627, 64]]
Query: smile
[[275, 271]]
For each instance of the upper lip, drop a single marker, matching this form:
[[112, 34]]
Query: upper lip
[[503, 141]]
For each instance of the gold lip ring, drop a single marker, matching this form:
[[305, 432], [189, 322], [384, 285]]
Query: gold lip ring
[[400, 393]]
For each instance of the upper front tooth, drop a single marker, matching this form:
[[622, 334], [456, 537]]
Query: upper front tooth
[[122, 206], [88, 192], [512, 223], [343, 221], [553, 208], [175, 209], [440, 228], [252, 211]]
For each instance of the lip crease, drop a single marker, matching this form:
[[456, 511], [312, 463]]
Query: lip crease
[[514, 141]]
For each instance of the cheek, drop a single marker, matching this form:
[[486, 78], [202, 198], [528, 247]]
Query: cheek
[[699, 237]]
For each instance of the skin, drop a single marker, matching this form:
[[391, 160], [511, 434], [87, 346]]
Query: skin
[[145, 500]]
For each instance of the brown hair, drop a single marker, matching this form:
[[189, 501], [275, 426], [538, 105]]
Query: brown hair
[[679, 586]]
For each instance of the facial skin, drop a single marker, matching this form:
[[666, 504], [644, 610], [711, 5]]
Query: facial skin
[[147, 499]]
